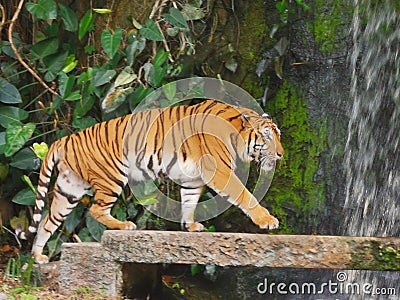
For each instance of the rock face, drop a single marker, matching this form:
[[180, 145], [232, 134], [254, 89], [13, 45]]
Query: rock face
[[100, 265]]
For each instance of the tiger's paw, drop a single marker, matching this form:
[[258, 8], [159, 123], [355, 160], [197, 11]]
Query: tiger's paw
[[41, 258], [128, 225], [269, 222], [195, 227], [266, 221]]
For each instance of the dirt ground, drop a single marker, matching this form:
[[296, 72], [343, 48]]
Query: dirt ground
[[13, 288]]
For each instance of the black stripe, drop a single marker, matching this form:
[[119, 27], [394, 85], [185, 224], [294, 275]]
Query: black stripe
[[171, 163], [71, 199], [189, 187], [54, 220]]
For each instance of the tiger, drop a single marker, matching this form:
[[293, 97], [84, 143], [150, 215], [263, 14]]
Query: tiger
[[195, 146]]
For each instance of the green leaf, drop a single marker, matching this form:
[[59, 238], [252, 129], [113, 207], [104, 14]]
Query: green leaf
[[25, 197], [83, 123], [154, 74], [55, 62], [96, 229], [151, 32], [74, 218], [28, 181], [66, 84], [119, 212], [111, 42], [44, 48], [70, 63], [147, 200], [40, 150], [11, 114], [101, 76], [44, 9], [85, 104], [6, 49], [126, 76], [85, 236], [73, 96], [138, 95], [160, 58], [86, 24], [9, 93], [135, 47], [24, 160], [102, 11], [169, 90], [68, 17], [176, 18], [17, 136]]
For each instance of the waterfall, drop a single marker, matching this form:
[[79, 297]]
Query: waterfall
[[372, 159]]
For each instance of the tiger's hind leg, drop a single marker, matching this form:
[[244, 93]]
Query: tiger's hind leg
[[189, 199], [104, 200], [68, 190]]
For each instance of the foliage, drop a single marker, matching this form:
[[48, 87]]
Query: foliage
[[78, 87]]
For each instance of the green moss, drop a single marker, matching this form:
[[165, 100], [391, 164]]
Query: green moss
[[377, 256], [253, 40], [329, 18], [295, 196]]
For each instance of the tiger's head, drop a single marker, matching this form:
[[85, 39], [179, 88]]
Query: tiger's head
[[263, 139]]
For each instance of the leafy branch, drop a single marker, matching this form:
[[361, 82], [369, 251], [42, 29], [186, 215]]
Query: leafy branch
[[16, 52]]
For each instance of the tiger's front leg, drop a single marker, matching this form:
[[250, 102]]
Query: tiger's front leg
[[241, 197], [101, 211], [223, 180]]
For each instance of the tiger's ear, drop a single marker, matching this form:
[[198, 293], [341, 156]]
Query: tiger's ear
[[266, 116]]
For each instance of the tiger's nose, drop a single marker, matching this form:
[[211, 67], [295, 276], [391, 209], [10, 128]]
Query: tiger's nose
[[279, 154]]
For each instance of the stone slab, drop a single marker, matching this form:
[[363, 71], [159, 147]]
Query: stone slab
[[243, 249], [84, 265]]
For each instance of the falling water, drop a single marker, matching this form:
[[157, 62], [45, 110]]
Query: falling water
[[372, 160]]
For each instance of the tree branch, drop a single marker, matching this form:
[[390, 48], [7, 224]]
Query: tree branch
[[15, 50]]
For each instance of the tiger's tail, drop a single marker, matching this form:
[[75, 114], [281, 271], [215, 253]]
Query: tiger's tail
[[46, 170]]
